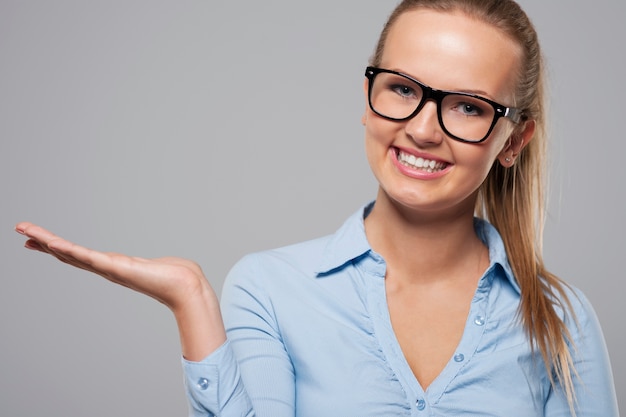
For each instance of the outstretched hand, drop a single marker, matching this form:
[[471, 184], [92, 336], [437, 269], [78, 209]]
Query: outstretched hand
[[168, 280], [177, 283]]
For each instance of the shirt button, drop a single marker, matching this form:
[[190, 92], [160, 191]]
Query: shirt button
[[459, 357], [479, 320], [203, 384], [421, 404]]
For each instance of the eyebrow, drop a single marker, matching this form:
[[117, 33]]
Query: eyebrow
[[475, 92], [461, 90]]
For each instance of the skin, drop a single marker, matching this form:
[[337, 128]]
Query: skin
[[413, 213], [432, 214]]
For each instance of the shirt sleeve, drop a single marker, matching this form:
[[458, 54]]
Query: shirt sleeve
[[256, 337], [251, 374], [593, 384], [214, 386]]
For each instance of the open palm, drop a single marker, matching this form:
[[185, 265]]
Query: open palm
[[178, 283]]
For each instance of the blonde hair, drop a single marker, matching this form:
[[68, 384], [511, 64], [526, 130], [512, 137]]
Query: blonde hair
[[512, 199]]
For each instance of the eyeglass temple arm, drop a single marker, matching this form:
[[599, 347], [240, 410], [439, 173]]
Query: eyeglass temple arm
[[514, 114]]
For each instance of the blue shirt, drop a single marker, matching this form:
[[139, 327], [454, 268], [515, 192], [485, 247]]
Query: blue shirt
[[309, 334]]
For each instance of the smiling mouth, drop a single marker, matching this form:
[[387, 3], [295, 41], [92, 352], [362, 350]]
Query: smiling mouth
[[419, 163]]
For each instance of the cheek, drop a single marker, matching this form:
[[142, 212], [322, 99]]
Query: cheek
[[485, 155], [373, 147], [481, 157], [377, 130], [500, 136], [379, 136]]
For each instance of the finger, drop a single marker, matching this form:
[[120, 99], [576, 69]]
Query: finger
[[136, 273], [33, 245], [101, 263], [43, 240], [36, 233]]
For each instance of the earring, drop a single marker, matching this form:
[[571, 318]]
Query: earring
[[507, 159]]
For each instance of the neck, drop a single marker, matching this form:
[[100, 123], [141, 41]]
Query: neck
[[424, 247]]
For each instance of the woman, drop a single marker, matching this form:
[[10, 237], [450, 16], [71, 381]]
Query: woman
[[414, 307]]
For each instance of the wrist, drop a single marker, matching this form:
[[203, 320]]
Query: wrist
[[200, 324]]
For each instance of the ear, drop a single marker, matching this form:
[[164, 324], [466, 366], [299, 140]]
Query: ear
[[516, 142]]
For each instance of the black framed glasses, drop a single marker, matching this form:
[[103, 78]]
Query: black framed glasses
[[462, 116]]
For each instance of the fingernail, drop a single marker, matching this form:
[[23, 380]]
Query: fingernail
[[19, 230]]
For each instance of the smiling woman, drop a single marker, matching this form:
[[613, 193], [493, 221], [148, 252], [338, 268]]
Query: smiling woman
[[433, 299]]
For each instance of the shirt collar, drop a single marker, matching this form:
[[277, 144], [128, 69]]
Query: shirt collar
[[350, 243], [347, 244], [497, 253]]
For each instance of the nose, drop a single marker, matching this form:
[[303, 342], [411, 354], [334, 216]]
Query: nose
[[424, 128]]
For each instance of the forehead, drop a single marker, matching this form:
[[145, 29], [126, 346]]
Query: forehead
[[451, 51]]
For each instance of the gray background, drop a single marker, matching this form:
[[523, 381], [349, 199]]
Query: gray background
[[209, 129]]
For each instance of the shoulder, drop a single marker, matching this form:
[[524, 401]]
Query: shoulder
[[579, 316], [305, 259], [573, 304], [270, 267], [273, 285]]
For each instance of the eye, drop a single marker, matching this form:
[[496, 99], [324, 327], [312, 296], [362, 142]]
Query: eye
[[466, 106], [403, 90], [469, 109]]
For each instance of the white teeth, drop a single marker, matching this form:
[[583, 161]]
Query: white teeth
[[427, 165]]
